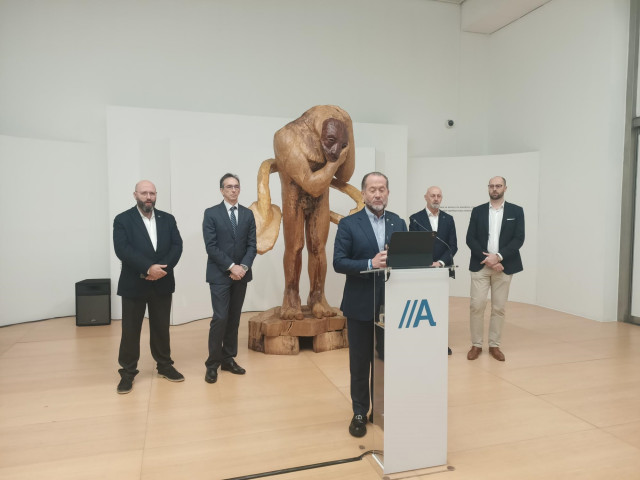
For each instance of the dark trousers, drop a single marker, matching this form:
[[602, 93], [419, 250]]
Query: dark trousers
[[226, 301], [132, 316], [361, 336]]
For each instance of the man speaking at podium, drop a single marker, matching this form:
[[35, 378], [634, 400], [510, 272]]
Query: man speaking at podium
[[361, 244]]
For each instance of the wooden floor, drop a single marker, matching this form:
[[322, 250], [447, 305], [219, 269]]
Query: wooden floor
[[565, 404]]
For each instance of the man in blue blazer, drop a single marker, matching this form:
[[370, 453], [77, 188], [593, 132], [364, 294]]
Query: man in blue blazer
[[432, 219], [495, 236], [361, 244], [148, 244], [229, 232]]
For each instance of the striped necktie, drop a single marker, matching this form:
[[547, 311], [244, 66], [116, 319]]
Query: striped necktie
[[234, 221]]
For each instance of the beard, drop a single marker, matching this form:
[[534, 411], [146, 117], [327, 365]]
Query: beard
[[496, 195], [376, 208], [144, 207]]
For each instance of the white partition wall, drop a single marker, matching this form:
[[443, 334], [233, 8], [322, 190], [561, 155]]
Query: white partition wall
[[186, 153], [464, 183], [52, 195], [194, 184]]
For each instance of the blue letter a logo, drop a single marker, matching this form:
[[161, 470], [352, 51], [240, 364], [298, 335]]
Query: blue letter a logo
[[424, 313]]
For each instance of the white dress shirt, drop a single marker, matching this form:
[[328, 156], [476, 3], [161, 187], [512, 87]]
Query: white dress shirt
[[150, 223], [433, 219], [228, 206], [495, 225]]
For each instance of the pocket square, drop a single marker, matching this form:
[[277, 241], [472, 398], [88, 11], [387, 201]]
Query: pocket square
[[509, 219]]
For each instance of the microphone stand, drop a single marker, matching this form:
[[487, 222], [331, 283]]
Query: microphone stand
[[452, 267]]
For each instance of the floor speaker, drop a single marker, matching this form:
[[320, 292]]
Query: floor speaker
[[93, 302]]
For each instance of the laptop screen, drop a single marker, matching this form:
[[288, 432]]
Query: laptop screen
[[411, 249]]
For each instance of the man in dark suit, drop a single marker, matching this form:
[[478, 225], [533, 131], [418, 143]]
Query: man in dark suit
[[361, 244], [432, 219], [229, 231], [495, 235], [148, 243]]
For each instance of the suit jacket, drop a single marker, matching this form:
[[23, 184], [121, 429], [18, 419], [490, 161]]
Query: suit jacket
[[419, 221], [133, 247], [222, 248], [355, 245], [511, 237]]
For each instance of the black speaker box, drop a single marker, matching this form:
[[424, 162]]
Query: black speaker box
[[93, 302]]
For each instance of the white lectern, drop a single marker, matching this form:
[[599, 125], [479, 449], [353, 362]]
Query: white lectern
[[410, 377]]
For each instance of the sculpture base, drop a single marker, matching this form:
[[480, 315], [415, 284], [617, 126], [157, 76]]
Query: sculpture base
[[270, 334]]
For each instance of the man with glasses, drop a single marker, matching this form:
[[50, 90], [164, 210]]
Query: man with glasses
[[495, 236], [229, 232], [148, 243]]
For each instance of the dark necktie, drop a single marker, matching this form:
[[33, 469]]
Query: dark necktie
[[234, 221]]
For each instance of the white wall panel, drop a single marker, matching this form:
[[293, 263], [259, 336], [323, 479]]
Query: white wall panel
[[188, 153], [52, 195], [558, 88], [464, 181]]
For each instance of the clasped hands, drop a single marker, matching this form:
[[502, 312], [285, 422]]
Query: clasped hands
[[492, 261], [155, 272], [237, 272]]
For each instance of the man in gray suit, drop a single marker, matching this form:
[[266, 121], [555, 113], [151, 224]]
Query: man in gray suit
[[229, 232]]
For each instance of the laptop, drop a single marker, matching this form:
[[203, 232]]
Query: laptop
[[411, 249]]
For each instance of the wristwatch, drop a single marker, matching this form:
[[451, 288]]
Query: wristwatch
[[246, 269]]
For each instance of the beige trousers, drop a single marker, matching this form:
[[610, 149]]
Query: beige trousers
[[481, 282]]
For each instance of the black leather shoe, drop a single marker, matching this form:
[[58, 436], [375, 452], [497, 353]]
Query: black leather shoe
[[211, 376], [449, 352], [233, 367], [171, 374], [125, 385], [358, 426]]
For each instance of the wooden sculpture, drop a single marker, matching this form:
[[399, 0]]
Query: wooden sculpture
[[313, 153]]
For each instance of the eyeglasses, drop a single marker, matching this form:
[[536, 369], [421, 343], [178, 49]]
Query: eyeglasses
[[496, 186], [147, 194], [231, 187]]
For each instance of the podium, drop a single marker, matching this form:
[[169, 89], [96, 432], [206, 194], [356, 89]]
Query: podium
[[410, 372]]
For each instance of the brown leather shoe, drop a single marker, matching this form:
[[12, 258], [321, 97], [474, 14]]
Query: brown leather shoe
[[496, 353], [474, 353]]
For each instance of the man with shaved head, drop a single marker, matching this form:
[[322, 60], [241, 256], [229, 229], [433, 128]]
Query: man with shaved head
[[433, 219], [148, 244]]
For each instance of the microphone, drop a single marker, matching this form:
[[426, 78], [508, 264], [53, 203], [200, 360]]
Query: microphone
[[420, 225], [451, 267]]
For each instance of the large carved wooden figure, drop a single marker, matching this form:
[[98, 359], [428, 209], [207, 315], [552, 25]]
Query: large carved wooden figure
[[310, 152]]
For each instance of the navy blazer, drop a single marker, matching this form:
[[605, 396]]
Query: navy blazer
[[419, 221], [511, 237], [222, 248], [133, 247], [355, 245]]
